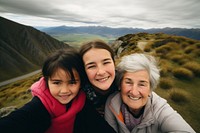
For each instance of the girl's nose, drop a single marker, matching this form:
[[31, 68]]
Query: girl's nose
[[64, 89]]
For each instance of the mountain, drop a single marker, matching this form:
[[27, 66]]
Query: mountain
[[23, 48], [116, 32]]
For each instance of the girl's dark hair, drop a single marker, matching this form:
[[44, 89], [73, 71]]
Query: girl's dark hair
[[66, 59], [96, 44]]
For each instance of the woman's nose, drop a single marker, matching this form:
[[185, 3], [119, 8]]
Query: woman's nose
[[134, 90], [100, 71]]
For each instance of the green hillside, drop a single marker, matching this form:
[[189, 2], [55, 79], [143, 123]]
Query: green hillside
[[23, 48], [75, 40]]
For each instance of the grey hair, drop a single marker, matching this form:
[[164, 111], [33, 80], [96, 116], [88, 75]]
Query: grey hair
[[136, 62]]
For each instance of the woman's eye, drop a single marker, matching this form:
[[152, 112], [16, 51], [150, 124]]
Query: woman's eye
[[143, 85], [107, 62], [128, 82], [72, 82], [89, 67]]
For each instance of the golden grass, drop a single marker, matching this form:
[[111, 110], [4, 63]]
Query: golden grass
[[17, 93], [179, 96], [166, 83], [194, 67], [183, 73]]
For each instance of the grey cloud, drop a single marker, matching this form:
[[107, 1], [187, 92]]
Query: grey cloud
[[129, 13]]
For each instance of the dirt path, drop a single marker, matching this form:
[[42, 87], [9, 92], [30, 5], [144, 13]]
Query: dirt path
[[18, 78], [141, 45]]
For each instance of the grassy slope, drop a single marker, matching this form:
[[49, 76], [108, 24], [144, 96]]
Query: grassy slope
[[17, 94], [189, 110]]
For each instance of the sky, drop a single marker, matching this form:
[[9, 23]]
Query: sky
[[111, 13]]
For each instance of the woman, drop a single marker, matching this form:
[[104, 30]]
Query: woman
[[98, 59], [58, 105], [136, 108]]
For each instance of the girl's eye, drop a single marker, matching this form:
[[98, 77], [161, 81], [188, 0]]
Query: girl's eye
[[56, 82]]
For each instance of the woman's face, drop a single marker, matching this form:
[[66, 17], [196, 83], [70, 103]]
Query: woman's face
[[135, 89], [100, 68], [62, 87]]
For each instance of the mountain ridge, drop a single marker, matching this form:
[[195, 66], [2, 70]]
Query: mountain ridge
[[23, 48], [116, 32]]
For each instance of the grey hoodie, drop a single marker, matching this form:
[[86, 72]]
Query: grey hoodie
[[158, 117]]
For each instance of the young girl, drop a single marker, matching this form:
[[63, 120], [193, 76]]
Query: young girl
[[58, 105], [99, 64]]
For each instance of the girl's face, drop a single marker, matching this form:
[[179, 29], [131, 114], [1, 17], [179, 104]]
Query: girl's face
[[100, 68], [62, 87], [135, 89]]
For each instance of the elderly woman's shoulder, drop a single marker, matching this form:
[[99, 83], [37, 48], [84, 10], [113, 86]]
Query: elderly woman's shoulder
[[157, 100]]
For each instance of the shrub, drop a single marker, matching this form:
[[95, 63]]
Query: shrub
[[189, 49], [194, 67], [163, 49], [196, 53], [180, 58], [166, 83], [184, 44], [166, 67], [197, 45], [147, 49], [183, 73], [178, 96], [164, 72]]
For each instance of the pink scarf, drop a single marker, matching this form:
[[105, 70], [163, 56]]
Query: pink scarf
[[62, 121]]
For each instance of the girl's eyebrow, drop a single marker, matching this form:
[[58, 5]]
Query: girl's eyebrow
[[55, 79]]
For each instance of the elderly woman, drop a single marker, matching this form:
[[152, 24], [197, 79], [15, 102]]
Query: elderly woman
[[136, 108]]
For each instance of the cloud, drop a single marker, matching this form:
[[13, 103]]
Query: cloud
[[114, 13]]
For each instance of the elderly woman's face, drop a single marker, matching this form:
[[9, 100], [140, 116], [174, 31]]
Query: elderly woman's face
[[135, 88]]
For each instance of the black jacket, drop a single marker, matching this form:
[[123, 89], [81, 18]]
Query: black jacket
[[34, 118]]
